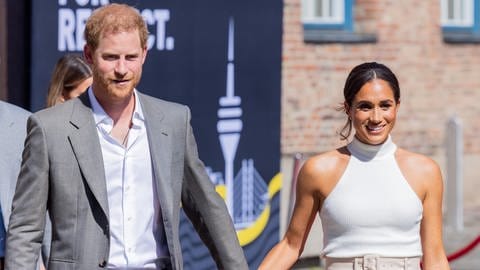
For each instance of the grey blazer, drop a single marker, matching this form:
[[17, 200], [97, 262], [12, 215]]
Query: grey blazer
[[13, 123], [62, 171]]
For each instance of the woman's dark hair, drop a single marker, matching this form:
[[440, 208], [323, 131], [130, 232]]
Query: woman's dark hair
[[359, 76]]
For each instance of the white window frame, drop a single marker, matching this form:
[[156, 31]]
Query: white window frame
[[463, 13], [337, 15]]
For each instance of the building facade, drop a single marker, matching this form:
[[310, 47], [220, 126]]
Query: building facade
[[433, 48]]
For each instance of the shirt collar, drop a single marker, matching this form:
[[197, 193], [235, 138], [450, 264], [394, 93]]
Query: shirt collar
[[100, 116]]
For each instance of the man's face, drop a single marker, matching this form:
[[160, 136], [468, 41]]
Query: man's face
[[116, 65]]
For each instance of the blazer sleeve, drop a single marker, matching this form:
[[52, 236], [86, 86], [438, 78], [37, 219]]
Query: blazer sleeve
[[207, 210], [27, 220]]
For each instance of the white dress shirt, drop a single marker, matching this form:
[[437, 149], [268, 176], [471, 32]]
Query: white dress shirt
[[136, 228]]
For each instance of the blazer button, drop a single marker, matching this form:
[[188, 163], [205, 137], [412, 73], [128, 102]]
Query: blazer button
[[102, 264]]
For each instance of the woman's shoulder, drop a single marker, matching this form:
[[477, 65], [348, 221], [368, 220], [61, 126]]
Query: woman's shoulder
[[416, 161], [327, 161], [322, 171], [422, 172]]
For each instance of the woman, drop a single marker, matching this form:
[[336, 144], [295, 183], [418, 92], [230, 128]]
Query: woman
[[71, 77], [380, 205]]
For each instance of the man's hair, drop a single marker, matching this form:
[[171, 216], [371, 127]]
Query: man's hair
[[114, 18]]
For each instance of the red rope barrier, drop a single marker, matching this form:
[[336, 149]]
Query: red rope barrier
[[464, 250]]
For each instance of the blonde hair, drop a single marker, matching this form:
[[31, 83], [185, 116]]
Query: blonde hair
[[69, 72], [114, 18]]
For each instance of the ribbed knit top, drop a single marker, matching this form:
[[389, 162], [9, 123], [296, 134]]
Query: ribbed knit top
[[372, 209]]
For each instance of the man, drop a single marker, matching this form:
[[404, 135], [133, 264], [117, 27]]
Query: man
[[13, 122], [113, 167]]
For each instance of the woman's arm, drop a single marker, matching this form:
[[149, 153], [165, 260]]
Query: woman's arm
[[286, 252], [434, 257]]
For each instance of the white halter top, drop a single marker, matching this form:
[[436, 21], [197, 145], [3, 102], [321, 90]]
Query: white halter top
[[372, 209]]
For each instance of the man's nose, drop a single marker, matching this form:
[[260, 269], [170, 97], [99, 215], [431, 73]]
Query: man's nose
[[121, 67]]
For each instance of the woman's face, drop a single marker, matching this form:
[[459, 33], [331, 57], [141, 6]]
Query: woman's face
[[75, 92], [373, 112], [79, 89]]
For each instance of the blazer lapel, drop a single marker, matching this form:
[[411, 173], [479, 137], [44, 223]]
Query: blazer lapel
[[86, 146], [159, 140]]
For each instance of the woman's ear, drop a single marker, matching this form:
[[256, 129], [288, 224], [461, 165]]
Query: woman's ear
[[346, 108]]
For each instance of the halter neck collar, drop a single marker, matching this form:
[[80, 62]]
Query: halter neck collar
[[366, 152]]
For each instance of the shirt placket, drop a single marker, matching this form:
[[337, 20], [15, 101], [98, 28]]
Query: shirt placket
[[129, 207]]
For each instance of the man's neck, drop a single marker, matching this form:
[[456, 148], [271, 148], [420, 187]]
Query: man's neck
[[119, 110], [121, 114]]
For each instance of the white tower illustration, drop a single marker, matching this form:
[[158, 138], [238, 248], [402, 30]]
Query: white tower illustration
[[229, 124]]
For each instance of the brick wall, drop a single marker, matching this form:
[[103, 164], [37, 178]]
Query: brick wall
[[437, 80]]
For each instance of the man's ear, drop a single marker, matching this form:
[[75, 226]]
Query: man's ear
[[88, 54]]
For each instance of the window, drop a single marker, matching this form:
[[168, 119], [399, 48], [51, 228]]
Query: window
[[327, 14], [331, 21], [457, 13], [460, 21]]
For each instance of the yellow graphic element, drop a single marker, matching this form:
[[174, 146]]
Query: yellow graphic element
[[222, 191], [248, 235], [275, 185]]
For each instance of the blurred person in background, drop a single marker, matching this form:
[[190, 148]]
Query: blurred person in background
[[13, 123], [70, 78], [2, 239]]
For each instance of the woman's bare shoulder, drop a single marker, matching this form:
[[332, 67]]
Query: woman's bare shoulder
[[422, 172], [327, 161], [322, 171], [417, 162]]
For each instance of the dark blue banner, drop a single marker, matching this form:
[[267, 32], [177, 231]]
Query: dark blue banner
[[221, 58]]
